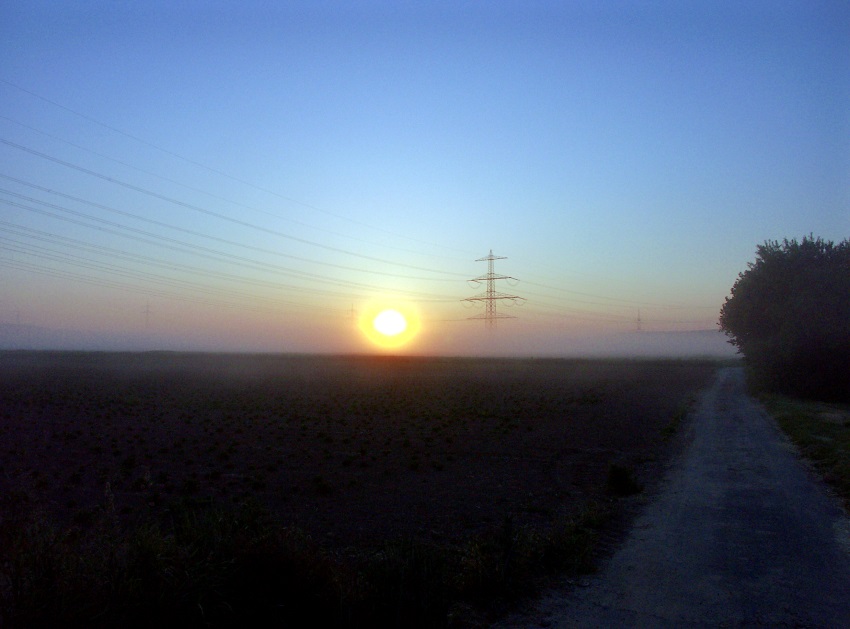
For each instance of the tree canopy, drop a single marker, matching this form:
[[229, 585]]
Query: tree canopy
[[789, 315]]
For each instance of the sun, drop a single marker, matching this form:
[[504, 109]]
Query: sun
[[389, 322], [389, 326]]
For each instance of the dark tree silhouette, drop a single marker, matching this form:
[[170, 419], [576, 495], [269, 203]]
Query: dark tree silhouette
[[789, 315]]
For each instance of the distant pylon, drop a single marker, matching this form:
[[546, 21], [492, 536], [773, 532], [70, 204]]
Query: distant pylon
[[491, 295]]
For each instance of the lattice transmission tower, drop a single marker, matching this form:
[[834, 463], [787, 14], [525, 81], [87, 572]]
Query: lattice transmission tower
[[491, 296]]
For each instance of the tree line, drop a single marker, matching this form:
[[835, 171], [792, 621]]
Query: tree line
[[789, 315]]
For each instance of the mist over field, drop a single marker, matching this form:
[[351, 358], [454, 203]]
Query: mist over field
[[698, 343]]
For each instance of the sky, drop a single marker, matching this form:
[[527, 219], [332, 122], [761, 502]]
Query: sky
[[267, 176]]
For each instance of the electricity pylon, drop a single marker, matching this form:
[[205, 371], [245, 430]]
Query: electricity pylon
[[491, 295]]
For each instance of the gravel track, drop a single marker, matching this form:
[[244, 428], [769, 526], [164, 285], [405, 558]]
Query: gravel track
[[740, 534]]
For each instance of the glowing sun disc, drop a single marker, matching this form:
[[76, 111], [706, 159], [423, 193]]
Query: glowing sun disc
[[389, 326], [389, 322]]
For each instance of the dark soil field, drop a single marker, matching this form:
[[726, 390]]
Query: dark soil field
[[353, 451]]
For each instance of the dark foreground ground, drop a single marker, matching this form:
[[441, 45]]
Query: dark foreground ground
[[353, 451]]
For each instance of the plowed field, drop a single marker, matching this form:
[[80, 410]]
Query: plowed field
[[351, 449]]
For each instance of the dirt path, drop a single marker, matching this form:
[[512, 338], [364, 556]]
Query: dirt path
[[739, 535]]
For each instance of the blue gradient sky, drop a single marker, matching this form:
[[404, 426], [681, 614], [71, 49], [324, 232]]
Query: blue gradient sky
[[285, 164]]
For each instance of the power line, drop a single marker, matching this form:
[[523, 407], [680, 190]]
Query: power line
[[306, 205], [214, 170], [106, 283], [114, 254], [208, 212], [558, 311], [280, 234], [630, 302], [216, 196], [490, 297], [197, 233], [117, 254]]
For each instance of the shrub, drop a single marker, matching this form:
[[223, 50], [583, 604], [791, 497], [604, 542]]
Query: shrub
[[789, 314]]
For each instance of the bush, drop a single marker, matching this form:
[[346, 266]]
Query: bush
[[789, 314]]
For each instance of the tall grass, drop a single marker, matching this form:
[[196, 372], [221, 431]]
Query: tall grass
[[822, 433], [204, 566]]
